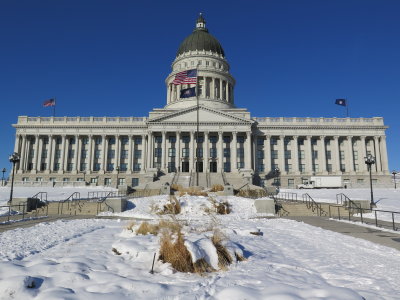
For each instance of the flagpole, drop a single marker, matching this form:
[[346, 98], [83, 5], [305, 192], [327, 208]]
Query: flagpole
[[197, 133], [347, 106], [54, 107]]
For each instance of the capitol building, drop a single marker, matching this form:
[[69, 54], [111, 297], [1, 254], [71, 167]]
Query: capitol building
[[202, 139]]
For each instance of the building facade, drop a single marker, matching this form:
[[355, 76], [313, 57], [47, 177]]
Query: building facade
[[203, 135]]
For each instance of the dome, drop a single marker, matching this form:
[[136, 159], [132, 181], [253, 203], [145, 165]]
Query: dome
[[200, 40]]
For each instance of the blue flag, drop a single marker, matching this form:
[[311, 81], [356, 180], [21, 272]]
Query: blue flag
[[187, 93], [341, 102]]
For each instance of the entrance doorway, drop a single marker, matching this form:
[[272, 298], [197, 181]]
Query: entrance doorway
[[213, 166], [185, 166], [199, 167]]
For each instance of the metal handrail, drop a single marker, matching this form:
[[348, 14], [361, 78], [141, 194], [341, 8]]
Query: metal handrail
[[310, 203], [40, 196], [287, 196], [173, 178], [224, 178], [347, 201]]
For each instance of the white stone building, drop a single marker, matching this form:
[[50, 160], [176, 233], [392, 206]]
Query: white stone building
[[232, 147]]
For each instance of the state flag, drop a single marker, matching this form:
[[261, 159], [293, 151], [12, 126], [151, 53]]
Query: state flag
[[341, 102], [187, 93]]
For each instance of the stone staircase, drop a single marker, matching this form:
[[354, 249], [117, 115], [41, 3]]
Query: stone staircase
[[297, 209], [183, 179], [79, 207]]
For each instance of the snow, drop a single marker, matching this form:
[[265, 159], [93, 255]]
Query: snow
[[75, 259]]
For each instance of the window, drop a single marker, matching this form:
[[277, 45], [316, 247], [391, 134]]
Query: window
[[157, 152], [44, 153], [240, 152], [96, 167], [31, 153], [185, 152], [93, 180], [315, 154], [136, 167], [227, 139], [274, 154], [342, 168], [135, 181], [328, 154], [43, 166], [313, 142], [97, 140], [240, 139], [341, 153], [355, 154], [185, 139], [171, 152], [30, 166], [124, 154], [213, 152], [302, 168], [213, 139], [123, 167], [288, 167], [58, 141], [138, 154], [240, 164], [83, 167], [288, 154], [300, 141], [200, 139], [111, 154], [199, 152], [110, 167], [111, 141], [301, 154], [25, 179], [39, 179], [56, 167], [260, 141], [46, 141], [72, 141], [158, 139], [227, 166], [359, 180], [71, 153], [70, 167], [290, 182], [58, 154], [275, 166], [138, 140], [329, 168], [260, 154], [327, 142], [261, 168], [83, 153], [356, 168], [97, 153], [124, 141], [66, 179], [315, 167], [172, 139], [80, 179], [227, 152], [274, 141], [287, 142], [171, 166], [85, 141], [107, 181]]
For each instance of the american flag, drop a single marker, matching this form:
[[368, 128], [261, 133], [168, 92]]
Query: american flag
[[186, 77], [50, 102]]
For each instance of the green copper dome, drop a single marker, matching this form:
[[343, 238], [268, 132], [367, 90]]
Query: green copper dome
[[200, 39]]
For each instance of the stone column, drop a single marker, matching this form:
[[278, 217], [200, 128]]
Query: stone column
[[363, 154], [36, 156], [350, 158], [336, 158], [385, 165], [117, 154], [322, 156], [220, 152], [267, 156], [103, 153], [76, 165], [377, 151], [228, 93], [144, 154], [295, 157], [16, 145], [220, 89], [164, 150], [51, 153], [130, 156], [79, 154], [178, 151], [22, 154], [234, 152], [247, 154], [206, 151], [149, 150], [308, 155], [213, 96], [63, 142], [168, 93], [90, 154], [281, 155]]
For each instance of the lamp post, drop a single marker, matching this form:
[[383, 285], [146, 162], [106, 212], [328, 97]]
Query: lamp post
[[84, 176], [277, 173], [14, 158], [370, 160], [117, 169], [2, 179], [394, 178]]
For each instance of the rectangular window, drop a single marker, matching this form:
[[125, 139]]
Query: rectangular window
[[172, 139], [124, 154], [43, 166], [329, 168], [185, 152], [302, 168], [56, 167], [111, 154], [342, 167], [261, 167], [240, 139], [185, 139], [44, 153], [356, 168], [315, 154], [260, 154], [290, 182], [123, 167], [110, 167], [58, 141], [111, 141], [31, 153], [315, 167], [39, 179], [65, 179], [158, 139], [107, 181], [136, 167], [70, 166], [46, 141], [58, 153], [97, 140], [288, 168], [287, 142], [83, 153], [227, 166], [83, 167], [341, 153], [240, 164], [199, 152], [97, 153], [227, 139], [138, 140], [213, 152], [85, 141], [171, 166], [328, 154], [171, 152], [240, 152], [288, 154], [313, 142], [274, 154], [135, 181], [200, 139], [96, 167], [301, 154], [125, 141], [227, 152], [93, 180], [72, 141], [274, 141], [30, 166], [300, 141], [157, 152], [138, 154], [213, 139], [71, 153], [355, 154], [327, 142], [360, 180]]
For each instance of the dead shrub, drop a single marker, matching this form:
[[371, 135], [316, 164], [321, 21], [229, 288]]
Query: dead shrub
[[176, 187], [224, 258], [221, 208], [147, 228], [116, 251], [248, 193], [173, 207], [216, 188], [175, 252], [170, 226], [192, 191], [130, 225]]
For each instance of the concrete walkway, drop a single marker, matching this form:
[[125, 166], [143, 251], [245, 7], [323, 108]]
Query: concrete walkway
[[377, 236]]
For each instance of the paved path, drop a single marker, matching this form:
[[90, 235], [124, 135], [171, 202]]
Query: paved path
[[377, 236]]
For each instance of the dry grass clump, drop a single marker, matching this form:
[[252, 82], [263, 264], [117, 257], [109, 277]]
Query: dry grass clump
[[221, 208], [163, 225], [176, 187], [147, 228], [193, 191], [173, 207], [130, 225], [248, 193], [224, 258], [216, 188]]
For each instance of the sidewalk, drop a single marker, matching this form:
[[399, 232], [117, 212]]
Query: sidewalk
[[374, 235]]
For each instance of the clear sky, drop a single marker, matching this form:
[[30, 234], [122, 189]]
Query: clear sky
[[289, 58]]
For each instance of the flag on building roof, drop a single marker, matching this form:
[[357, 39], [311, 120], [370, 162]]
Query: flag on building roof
[[186, 77], [187, 93], [50, 102], [341, 102]]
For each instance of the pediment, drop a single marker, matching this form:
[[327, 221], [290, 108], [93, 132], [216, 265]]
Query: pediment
[[206, 115]]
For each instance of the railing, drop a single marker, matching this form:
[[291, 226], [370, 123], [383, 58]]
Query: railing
[[286, 196], [10, 211], [73, 196], [42, 196], [305, 121], [101, 194], [224, 178], [174, 178], [362, 211], [310, 203]]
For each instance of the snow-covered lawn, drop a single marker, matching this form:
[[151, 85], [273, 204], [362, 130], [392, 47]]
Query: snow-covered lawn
[[291, 260]]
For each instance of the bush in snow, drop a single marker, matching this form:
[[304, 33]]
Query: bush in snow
[[216, 188], [172, 207]]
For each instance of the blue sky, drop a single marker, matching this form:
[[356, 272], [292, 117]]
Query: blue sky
[[289, 58]]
